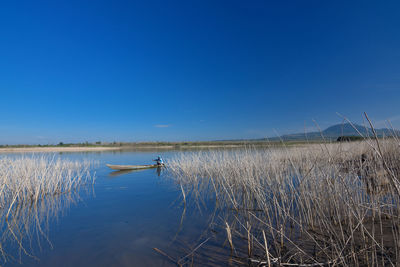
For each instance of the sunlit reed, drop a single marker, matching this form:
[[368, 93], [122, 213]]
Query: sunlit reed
[[328, 204], [33, 191]]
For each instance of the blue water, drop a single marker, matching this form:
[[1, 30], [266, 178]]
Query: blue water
[[121, 219]]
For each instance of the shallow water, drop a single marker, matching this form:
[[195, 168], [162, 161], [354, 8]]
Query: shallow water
[[119, 221]]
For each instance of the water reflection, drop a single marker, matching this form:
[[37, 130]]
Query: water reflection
[[119, 173], [120, 226], [114, 174], [24, 227]]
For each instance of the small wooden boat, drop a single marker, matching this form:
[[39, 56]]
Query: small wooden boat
[[132, 167]]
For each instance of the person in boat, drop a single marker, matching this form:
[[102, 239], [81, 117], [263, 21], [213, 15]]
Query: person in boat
[[159, 161]]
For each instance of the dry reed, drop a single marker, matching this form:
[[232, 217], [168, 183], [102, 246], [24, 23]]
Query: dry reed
[[321, 204], [34, 190]]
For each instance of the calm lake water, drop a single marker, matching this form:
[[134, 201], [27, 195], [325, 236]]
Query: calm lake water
[[121, 219]]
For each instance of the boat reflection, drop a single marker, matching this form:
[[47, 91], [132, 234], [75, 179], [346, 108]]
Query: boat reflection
[[119, 173]]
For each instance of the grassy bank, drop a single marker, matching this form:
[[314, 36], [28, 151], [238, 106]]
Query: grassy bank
[[320, 204], [147, 145], [51, 149]]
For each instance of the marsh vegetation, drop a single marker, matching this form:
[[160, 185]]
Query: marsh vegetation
[[311, 205], [35, 190]]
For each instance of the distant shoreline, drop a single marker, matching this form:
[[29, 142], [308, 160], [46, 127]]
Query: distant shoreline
[[103, 148], [148, 146], [56, 149]]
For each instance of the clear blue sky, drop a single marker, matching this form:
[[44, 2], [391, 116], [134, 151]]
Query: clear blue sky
[[73, 71]]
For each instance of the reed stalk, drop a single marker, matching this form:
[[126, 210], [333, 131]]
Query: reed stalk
[[34, 190], [333, 203]]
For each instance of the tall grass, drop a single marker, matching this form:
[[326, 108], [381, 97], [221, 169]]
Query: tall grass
[[327, 204], [31, 178], [34, 190]]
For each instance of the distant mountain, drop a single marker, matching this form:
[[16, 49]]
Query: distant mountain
[[333, 132]]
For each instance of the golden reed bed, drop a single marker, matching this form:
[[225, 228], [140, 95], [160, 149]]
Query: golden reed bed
[[316, 205]]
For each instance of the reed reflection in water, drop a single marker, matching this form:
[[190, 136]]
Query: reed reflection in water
[[310, 205], [34, 191]]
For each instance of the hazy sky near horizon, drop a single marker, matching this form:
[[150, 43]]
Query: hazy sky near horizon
[[76, 71]]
